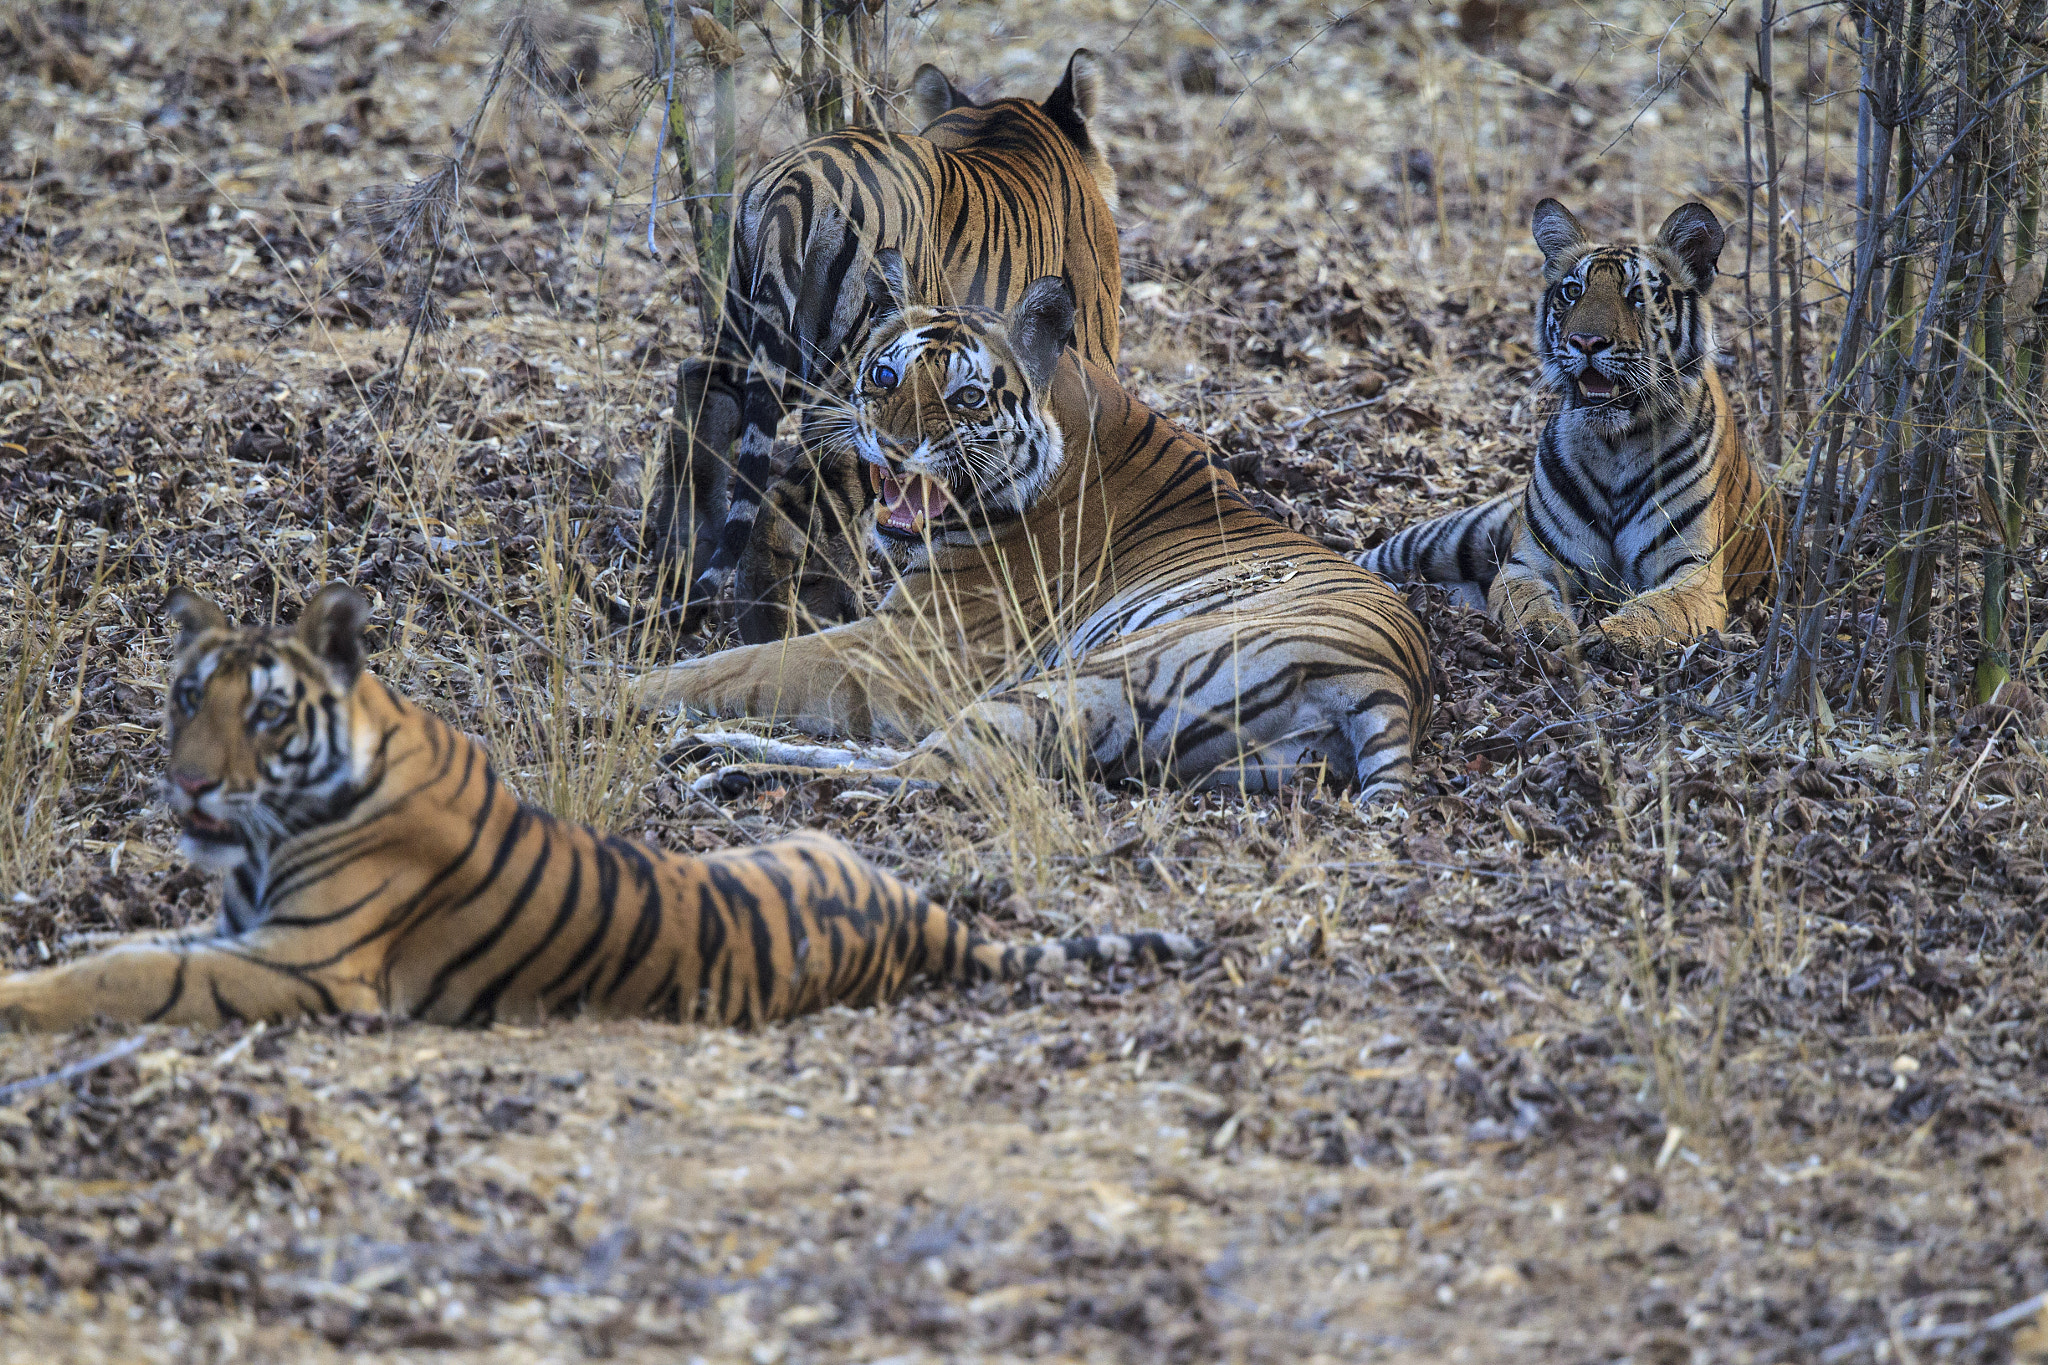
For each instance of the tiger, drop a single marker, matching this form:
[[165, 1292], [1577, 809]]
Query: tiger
[[1076, 563], [985, 199], [1644, 502], [374, 862]]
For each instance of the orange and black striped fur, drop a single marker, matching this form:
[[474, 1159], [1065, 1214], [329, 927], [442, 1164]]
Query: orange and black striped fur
[[1083, 583], [374, 862], [986, 199], [1643, 503]]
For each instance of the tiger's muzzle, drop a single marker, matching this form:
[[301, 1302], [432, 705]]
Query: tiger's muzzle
[[909, 501], [199, 803]]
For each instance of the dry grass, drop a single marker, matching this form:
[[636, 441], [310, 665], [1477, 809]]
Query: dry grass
[[1636, 1031]]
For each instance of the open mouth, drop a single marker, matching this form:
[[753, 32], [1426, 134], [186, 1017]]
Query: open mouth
[[1596, 385], [202, 826], [909, 503]]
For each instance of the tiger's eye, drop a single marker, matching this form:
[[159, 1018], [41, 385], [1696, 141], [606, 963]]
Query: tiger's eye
[[883, 376], [1570, 290], [186, 696], [270, 711], [969, 397]]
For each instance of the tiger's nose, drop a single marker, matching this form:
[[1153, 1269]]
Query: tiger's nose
[[1586, 343], [194, 784]]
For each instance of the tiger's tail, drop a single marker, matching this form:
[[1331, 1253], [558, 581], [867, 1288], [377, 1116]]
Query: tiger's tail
[[1466, 547], [962, 955]]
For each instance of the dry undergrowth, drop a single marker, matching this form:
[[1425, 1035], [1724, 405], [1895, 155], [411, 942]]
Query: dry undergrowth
[[1636, 1031]]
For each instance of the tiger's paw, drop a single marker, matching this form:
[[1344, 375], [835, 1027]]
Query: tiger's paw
[[711, 586], [1628, 635], [1548, 629]]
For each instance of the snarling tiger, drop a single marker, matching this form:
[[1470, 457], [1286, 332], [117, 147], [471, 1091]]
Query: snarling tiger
[[1074, 566], [1643, 503], [986, 199], [375, 862]]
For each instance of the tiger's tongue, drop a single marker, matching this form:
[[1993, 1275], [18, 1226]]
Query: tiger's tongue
[[909, 504]]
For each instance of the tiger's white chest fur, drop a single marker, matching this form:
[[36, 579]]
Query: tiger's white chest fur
[[1610, 507]]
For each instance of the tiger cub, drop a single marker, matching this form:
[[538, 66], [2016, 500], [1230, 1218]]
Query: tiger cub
[[374, 862], [1643, 503], [1079, 582], [984, 199]]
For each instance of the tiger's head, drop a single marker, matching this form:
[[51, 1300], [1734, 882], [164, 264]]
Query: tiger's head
[[952, 410], [1623, 329], [258, 723], [949, 117]]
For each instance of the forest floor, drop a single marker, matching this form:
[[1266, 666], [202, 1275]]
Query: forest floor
[[1640, 1030]]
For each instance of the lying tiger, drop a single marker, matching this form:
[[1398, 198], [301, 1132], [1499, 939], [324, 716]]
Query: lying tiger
[[375, 863], [1643, 502], [1074, 565]]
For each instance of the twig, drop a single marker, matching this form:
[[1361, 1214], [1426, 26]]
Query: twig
[[1313, 418], [1677, 75], [1969, 777], [76, 1069], [504, 620]]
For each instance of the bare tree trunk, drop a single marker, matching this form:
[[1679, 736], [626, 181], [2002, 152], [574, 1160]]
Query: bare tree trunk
[[2008, 454], [1774, 437]]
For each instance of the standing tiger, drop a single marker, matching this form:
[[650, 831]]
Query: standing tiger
[[1643, 501], [375, 863], [1104, 597], [988, 198]]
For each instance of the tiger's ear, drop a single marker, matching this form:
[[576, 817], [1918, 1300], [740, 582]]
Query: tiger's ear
[[1555, 230], [331, 627], [888, 293], [932, 94], [1694, 235], [1041, 325], [194, 614], [1079, 91]]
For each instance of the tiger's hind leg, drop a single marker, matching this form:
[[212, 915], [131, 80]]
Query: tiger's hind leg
[[752, 463], [169, 980], [1249, 701], [688, 508]]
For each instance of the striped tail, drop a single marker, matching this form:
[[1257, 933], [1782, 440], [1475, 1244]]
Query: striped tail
[[960, 954], [1461, 549]]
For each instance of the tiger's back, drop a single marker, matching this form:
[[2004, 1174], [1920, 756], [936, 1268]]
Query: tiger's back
[[377, 864]]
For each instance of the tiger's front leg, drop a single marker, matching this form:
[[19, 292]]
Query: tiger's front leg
[[856, 681], [170, 980]]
